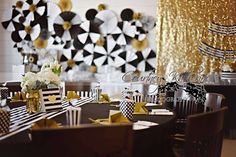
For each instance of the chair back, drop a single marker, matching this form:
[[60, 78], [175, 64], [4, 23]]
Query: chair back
[[85, 141], [204, 134], [213, 101]]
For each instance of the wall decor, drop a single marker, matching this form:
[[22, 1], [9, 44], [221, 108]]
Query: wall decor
[[100, 40]]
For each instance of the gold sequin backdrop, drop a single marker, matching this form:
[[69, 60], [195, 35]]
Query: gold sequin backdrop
[[183, 24]]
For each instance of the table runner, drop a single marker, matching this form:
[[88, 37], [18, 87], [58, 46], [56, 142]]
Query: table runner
[[21, 120]]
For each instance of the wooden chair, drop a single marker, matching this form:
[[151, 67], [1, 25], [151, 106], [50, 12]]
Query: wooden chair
[[84, 141], [184, 105], [213, 101], [204, 134]]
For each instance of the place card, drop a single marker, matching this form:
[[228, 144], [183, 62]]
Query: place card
[[161, 112]]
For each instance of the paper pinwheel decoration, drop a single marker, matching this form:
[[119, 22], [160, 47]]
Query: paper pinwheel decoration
[[105, 55], [56, 40], [124, 33], [71, 58], [66, 25], [108, 20], [148, 23], [140, 32], [29, 32], [53, 10], [146, 60], [90, 14], [89, 33], [33, 9], [127, 61], [11, 22], [88, 54], [127, 14]]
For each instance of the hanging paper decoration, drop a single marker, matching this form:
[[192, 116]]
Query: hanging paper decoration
[[127, 14], [19, 5], [33, 9], [66, 25], [90, 14], [56, 40], [67, 45], [148, 23], [53, 10], [146, 60], [127, 61], [108, 21], [105, 55], [11, 21], [19, 47], [30, 32], [65, 5], [139, 45], [140, 32], [222, 29], [89, 33], [88, 54], [124, 33], [40, 43], [71, 58], [214, 52], [102, 7]]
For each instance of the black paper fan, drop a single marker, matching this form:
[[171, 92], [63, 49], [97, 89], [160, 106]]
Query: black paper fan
[[33, 9], [127, 60], [90, 14], [140, 32], [89, 33], [127, 14], [11, 22], [88, 54], [124, 33], [146, 60], [71, 58], [106, 54], [66, 25], [30, 32]]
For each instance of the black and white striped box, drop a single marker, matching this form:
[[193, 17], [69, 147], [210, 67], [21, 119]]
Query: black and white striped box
[[50, 99]]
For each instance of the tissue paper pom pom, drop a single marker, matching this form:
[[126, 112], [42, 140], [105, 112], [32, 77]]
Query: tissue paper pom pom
[[101, 7], [139, 45]]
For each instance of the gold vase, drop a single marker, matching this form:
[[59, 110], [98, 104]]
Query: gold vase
[[33, 102]]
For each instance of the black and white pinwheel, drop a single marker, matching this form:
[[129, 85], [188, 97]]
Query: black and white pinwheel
[[29, 31], [105, 55], [71, 58], [33, 9], [108, 20], [66, 25], [124, 33], [88, 54], [53, 10], [146, 60], [127, 61], [11, 22], [140, 32], [89, 33]]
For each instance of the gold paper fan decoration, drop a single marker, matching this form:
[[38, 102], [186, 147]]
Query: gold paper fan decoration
[[93, 69], [137, 16], [19, 4], [100, 42], [139, 45], [65, 5], [102, 7], [39, 43], [71, 63]]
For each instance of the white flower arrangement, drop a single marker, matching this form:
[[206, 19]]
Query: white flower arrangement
[[47, 77]]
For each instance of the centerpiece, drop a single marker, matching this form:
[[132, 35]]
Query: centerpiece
[[47, 77]]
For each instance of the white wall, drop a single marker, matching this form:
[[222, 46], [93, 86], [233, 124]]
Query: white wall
[[10, 56]]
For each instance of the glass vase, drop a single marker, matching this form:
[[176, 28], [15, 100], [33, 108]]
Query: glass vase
[[33, 102]]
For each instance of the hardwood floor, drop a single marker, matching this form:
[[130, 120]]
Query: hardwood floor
[[229, 148]]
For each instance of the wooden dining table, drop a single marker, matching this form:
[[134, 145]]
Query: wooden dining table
[[149, 142]]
